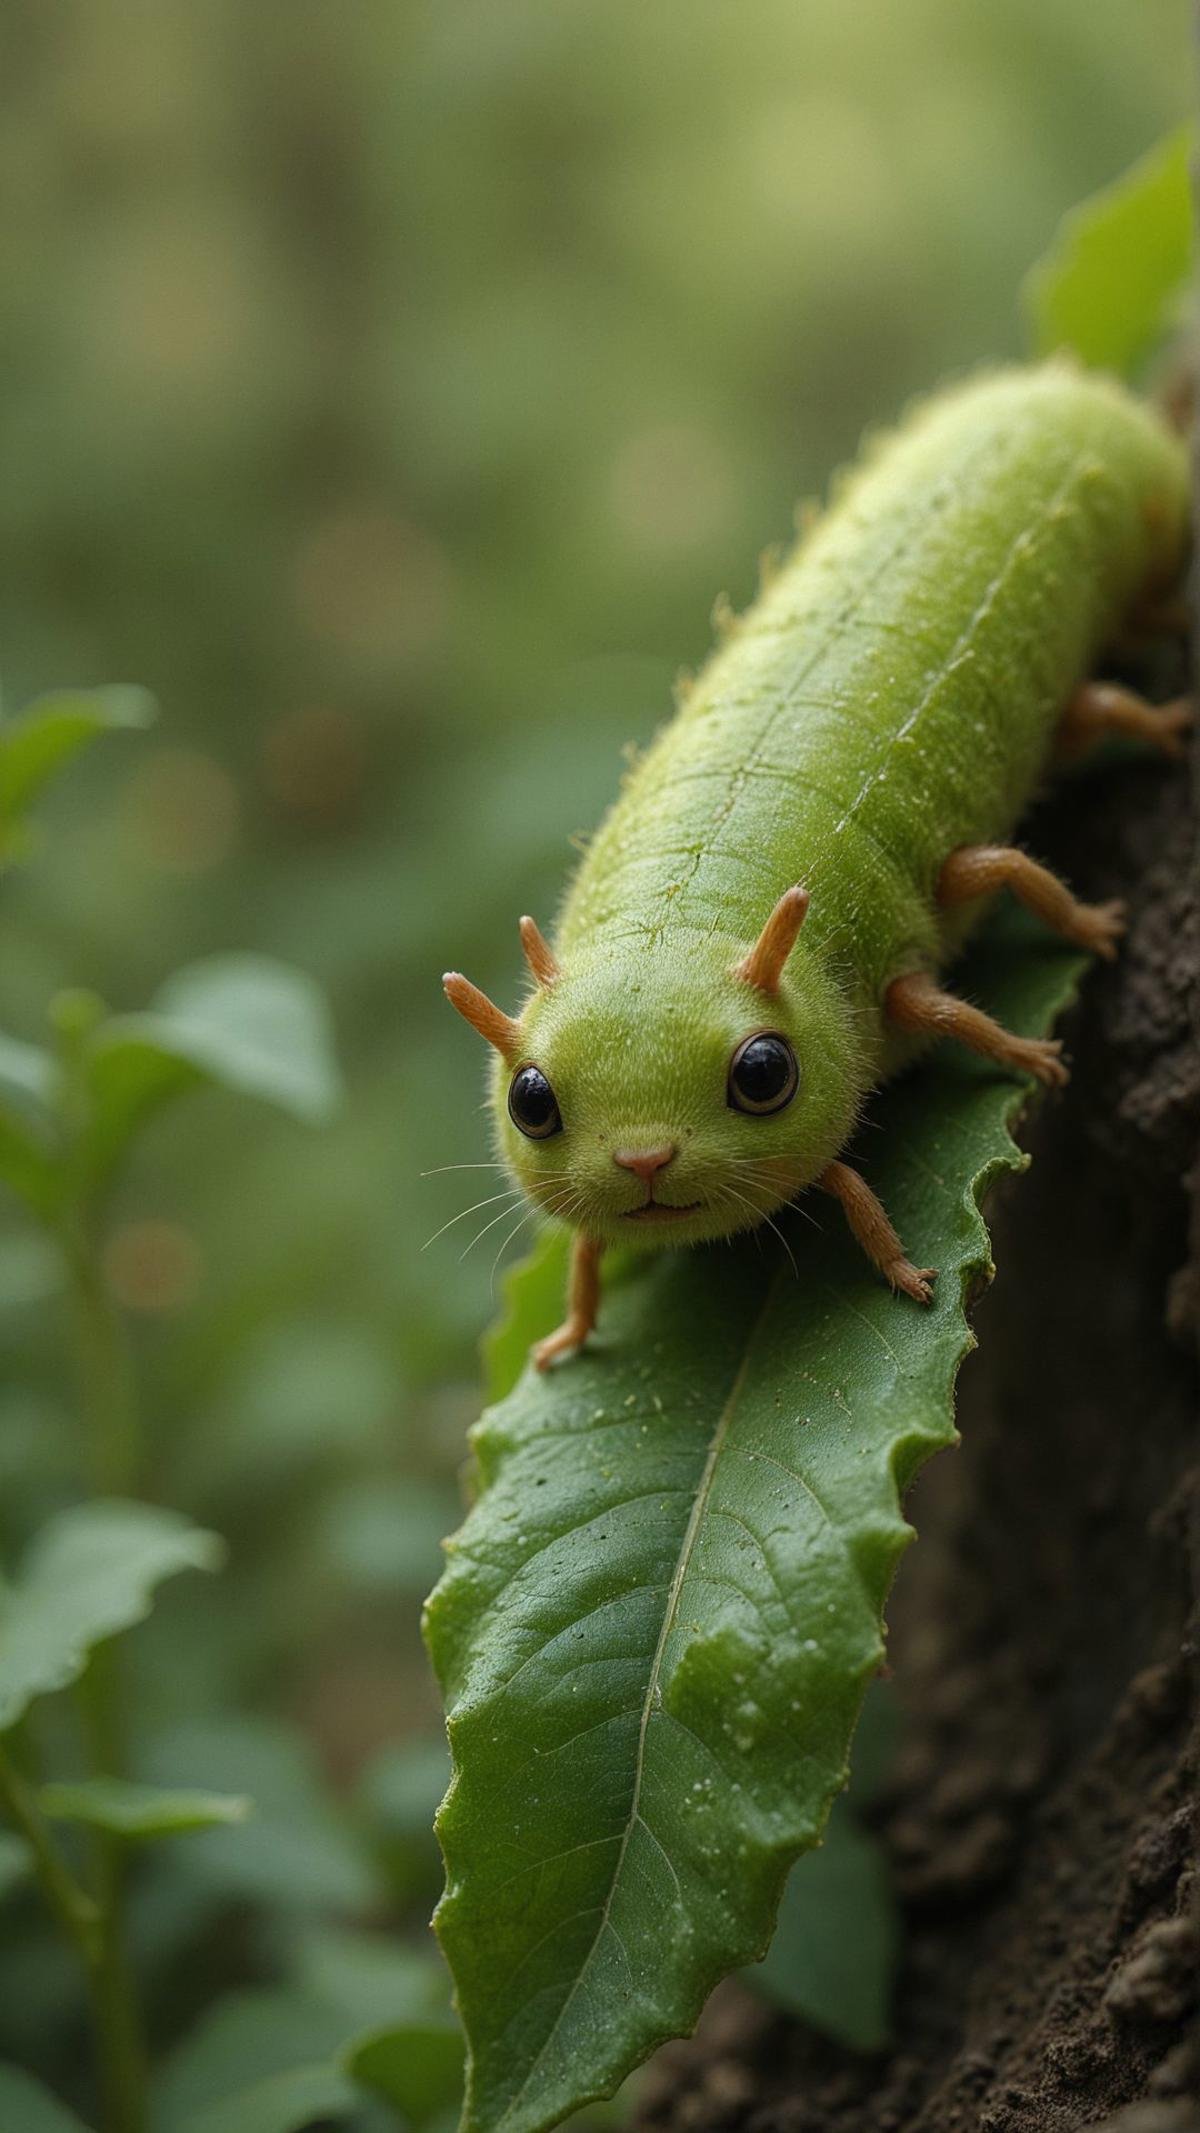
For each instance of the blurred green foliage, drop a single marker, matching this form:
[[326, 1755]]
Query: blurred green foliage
[[1117, 280], [389, 390]]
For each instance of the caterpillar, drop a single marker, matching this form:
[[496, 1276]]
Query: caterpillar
[[757, 934]]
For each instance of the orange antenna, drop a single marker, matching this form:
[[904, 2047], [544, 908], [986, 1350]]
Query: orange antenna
[[538, 953], [482, 1014], [763, 967]]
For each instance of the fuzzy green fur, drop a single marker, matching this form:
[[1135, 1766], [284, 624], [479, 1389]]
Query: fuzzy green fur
[[892, 694]]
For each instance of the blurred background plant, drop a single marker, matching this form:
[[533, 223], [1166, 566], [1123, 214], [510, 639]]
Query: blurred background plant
[[389, 390]]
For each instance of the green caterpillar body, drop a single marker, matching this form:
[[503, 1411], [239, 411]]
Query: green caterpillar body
[[894, 692], [892, 696]]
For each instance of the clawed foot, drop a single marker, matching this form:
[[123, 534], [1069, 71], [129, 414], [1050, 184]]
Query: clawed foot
[[1041, 1057], [568, 1339], [1173, 723], [1101, 927], [912, 1280]]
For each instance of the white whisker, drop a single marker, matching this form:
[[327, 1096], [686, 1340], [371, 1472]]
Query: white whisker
[[441, 1168], [562, 1208], [514, 1232], [761, 1216], [510, 1192], [501, 1217]]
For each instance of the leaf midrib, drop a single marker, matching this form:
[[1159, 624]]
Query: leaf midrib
[[674, 1590]]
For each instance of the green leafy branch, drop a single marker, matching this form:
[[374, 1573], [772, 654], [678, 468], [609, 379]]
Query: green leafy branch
[[69, 1116]]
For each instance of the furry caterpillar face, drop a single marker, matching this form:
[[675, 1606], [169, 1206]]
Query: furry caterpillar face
[[673, 1093]]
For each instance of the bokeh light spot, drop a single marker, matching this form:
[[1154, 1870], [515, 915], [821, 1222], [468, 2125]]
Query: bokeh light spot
[[313, 765], [153, 1266], [373, 585], [184, 810], [669, 488]]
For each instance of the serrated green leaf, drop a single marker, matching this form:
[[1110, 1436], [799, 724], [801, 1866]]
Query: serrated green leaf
[[656, 1626], [89, 1574], [43, 738], [1114, 280], [834, 1949], [242, 1022], [27, 2107], [142, 1812]]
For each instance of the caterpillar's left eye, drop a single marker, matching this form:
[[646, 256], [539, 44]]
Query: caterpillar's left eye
[[532, 1104], [763, 1075]]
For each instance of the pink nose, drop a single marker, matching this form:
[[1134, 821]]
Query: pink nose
[[644, 1166]]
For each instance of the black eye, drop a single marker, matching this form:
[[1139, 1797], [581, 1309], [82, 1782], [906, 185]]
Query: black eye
[[763, 1075], [532, 1104]]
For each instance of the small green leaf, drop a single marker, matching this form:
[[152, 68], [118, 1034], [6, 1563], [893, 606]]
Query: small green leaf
[[241, 1022], [834, 1951], [417, 2066], [90, 1573], [656, 1626], [1113, 282], [43, 738], [141, 1812], [27, 2107], [281, 2103]]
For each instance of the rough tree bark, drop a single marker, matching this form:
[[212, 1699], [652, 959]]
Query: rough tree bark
[[1044, 1815]]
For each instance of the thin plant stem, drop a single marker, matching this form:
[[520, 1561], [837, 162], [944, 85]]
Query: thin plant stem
[[108, 1405], [105, 1371], [76, 1912], [92, 1925], [120, 2041]]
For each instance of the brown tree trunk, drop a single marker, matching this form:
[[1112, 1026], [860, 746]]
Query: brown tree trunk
[[1043, 1818]]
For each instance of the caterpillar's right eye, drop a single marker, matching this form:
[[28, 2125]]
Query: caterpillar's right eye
[[763, 1075], [532, 1104]]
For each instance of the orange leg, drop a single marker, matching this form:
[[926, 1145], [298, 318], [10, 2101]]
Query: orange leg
[[870, 1228], [1100, 709], [979, 869], [583, 1299], [918, 1004]]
